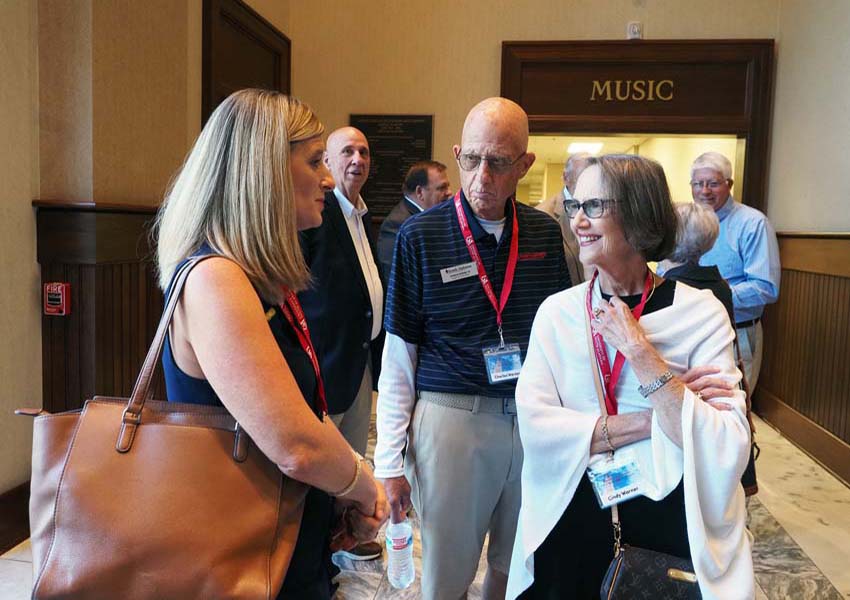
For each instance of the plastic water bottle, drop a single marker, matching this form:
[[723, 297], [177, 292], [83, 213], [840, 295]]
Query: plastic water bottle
[[400, 568]]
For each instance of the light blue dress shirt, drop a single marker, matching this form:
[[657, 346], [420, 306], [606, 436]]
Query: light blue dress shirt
[[747, 254]]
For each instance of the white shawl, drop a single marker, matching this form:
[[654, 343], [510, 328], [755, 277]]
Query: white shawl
[[694, 331]]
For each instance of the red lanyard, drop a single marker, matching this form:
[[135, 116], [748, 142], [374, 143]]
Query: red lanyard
[[482, 272], [610, 378], [299, 323]]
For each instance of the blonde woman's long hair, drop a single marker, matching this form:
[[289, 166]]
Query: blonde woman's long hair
[[235, 192]]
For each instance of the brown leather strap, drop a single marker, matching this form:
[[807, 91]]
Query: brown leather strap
[[133, 412]]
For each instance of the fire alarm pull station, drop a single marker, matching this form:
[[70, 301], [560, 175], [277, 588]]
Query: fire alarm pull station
[[57, 298]]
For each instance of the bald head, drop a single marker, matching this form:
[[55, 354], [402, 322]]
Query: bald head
[[348, 159], [494, 143], [498, 118]]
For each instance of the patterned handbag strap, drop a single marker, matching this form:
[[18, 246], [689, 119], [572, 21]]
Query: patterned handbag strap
[[600, 395]]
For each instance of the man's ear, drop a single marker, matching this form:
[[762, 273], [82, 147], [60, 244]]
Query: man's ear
[[730, 182], [526, 162], [326, 159]]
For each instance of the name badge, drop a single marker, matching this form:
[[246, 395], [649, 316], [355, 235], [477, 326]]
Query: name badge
[[616, 478], [503, 362], [456, 272]]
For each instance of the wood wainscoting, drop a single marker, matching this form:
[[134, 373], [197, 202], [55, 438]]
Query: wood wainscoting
[[104, 252], [804, 386]]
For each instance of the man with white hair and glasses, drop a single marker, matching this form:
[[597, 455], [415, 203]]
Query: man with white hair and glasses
[[746, 253]]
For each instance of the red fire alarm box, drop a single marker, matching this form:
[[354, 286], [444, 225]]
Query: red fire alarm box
[[57, 298]]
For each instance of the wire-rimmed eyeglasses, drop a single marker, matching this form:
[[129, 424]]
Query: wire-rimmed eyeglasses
[[593, 207], [497, 164], [710, 184]]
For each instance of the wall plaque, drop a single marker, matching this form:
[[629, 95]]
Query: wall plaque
[[396, 142]]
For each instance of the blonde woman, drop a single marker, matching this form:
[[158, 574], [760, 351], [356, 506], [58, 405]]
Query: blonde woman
[[254, 178]]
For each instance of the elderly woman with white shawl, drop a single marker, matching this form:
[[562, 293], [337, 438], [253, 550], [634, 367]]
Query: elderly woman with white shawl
[[669, 460]]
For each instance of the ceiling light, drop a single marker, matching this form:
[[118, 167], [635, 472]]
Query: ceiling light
[[589, 147]]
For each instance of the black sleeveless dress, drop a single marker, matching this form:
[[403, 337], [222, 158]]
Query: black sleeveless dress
[[309, 574]]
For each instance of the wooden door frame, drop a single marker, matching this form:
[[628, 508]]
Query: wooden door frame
[[751, 123], [255, 28]]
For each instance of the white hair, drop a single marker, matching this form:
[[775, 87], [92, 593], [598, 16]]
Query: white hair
[[696, 232], [714, 161]]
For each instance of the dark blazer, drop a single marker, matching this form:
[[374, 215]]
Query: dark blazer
[[389, 231], [338, 308]]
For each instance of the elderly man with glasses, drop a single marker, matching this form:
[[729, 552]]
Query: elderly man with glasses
[[746, 253], [464, 287]]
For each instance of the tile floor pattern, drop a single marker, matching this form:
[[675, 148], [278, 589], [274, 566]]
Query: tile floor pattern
[[800, 520]]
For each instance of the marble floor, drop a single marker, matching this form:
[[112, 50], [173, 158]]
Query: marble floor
[[800, 520]]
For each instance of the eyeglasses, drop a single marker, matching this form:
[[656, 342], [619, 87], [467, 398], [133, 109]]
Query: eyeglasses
[[712, 185], [593, 208], [497, 164]]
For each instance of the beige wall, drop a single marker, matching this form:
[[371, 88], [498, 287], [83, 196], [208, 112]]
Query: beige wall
[[121, 94], [20, 320], [809, 185], [65, 99], [442, 56], [139, 91]]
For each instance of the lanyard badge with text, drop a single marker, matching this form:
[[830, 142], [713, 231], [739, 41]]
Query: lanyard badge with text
[[617, 476], [503, 361], [291, 309]]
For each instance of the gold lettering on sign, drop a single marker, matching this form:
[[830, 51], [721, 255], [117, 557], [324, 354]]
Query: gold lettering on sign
[[600, 89], [662, 97], [638, 90]]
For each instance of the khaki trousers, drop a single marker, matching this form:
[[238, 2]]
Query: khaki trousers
[[464, 468]]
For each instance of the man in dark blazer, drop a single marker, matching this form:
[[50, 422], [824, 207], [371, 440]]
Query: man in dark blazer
[[425, 185], [344, 306]]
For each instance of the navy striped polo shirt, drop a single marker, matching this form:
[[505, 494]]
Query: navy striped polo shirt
[[451, 322]]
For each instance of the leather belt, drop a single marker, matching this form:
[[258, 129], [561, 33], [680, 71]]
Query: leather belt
[[474, 404], [749, 323]]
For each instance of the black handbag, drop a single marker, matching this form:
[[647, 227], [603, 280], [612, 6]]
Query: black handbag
[[638, 573], [641, 573]]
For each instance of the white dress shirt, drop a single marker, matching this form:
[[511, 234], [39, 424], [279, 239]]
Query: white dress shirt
[[413, 202], [354, 219]]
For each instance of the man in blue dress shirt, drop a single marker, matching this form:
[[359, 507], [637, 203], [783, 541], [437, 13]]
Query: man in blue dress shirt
[[746, 253]]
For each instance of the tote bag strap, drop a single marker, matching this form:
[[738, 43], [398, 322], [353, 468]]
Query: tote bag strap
[[600, 395], [133, 413]]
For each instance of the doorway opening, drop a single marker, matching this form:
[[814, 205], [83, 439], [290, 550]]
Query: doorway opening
[[674, 152]]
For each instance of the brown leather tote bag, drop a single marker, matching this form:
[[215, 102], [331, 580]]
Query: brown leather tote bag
[[135, 498]]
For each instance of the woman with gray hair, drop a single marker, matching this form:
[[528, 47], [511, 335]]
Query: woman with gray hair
[[643, 461], [695, 235]]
